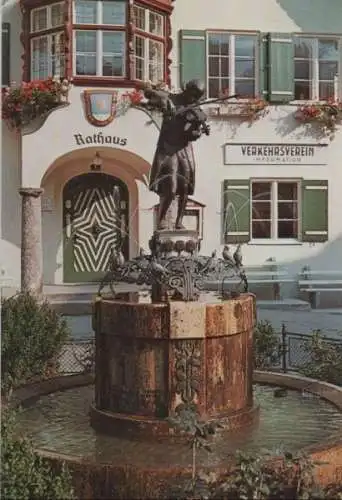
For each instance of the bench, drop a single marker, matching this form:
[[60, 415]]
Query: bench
[[267, 273], [316, 282]]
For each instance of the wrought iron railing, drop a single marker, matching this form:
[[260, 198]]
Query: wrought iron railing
[[78, 356]]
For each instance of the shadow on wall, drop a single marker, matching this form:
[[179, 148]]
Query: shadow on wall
[[314, 16]]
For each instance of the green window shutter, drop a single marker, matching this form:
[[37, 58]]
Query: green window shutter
[[5, 68], [280, 67], [192, 54], [314, 211], [263, 65], [236, 211]]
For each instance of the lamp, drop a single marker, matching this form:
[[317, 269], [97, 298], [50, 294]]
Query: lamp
[[96, 164]]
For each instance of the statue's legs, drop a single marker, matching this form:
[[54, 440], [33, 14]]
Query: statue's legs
[[168, 190], [182, 201]]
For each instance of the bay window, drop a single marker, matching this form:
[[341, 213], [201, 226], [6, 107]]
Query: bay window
[[317, 67], [148, 45], [47, 48], [100, 40], [232, 64]]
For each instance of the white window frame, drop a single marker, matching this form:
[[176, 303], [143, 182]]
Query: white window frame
[[147, 13], [99, 15], [146, 58], [314, 82], [49, 48], [99, 55], [232, 37], [49, 26], [274, 211]]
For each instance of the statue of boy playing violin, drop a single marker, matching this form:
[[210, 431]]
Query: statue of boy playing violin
[[173, 167]]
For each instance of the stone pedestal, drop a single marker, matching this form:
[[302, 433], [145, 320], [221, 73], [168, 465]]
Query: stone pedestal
[[31, 240], [152, 357]]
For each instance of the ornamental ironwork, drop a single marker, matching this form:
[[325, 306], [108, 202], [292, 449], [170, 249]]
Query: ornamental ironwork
[[175, 269]]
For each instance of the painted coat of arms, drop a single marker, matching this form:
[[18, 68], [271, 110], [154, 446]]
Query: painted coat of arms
[[100, 106]]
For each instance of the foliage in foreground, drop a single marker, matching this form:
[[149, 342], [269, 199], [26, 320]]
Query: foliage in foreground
[[25, 475], [252, 477], [33, 335], [325, 359], [267, 346]]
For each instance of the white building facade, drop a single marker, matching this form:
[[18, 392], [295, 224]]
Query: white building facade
[[75, 183]]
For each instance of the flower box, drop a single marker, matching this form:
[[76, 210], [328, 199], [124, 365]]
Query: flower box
[[24, 103], [325, 116]]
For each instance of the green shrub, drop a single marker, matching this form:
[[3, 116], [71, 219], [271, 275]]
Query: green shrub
[[25, 475], [267, 345], [32, 337], [325, 359]]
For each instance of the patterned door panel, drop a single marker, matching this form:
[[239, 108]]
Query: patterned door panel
[[95, 222]]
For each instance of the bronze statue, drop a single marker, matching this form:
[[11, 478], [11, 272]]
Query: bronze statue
[[173, 168]]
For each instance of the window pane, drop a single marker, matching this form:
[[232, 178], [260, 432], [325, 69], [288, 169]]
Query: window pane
[[224, 66], [328, 70], [245, 88], [57, 55], [114, 12], [139, 18], [85, 53], [156, 24], [328, 50], [56, 15], [288, 229], [156, 61], [326, 91], [113, 54], [261, 191], [287, 191], [40, 59], [218, 44], [287, 210], [261, 229], [139, 47], [245, 46], [302, 90], [214, 66], [303, 70], [85, 41], [214, 87], [113, 43], [261, 210], [244, 68], [39, 20], [85, 12], [303, 48], [112, 66]]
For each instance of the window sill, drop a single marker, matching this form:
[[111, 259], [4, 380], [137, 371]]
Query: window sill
[[103, 81], [283, 242]]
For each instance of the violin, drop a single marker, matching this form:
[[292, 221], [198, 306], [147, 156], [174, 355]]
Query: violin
[[195, 122]]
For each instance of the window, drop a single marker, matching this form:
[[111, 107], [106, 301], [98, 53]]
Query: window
[[148, 52], [47, 50], [101, 50], [317, 66], [274, 210], [231, 64]]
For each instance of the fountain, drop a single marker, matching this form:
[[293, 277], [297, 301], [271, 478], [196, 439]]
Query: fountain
[[178, 346]]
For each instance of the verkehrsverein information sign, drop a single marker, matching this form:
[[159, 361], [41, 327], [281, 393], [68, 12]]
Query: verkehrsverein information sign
[[273, 154]]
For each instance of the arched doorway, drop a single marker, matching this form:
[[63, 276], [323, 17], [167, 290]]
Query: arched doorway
[[95, 221]]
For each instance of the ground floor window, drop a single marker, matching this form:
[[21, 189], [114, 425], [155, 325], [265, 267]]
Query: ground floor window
[[275, 210]]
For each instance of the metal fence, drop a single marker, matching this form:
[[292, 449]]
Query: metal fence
[[78, 356]]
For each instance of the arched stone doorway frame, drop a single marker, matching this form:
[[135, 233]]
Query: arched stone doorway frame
[[125, 166]]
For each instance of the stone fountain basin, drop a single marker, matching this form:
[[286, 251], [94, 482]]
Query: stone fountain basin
[[119, 480]]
